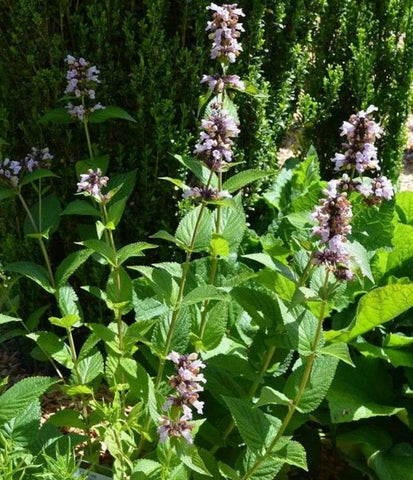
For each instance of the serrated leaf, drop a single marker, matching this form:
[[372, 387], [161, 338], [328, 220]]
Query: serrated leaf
[[200, 218], [203, 293], [66, 322], [54, 346], [339, 350], [164, 235], [31, 270], [270, 396], [244, 178], [360, 257], [293, 454], [67, 418], [216, 325], [233, 223], [219, 246], [90, 368], [199, 170], [110, 113], [68, 301], [21, 395], [70, 264], [404, 207], [321, 377], [133, 250], [81, 207], [254, 427], [102, 248], [188, 454], [23, 428], [175, 181], [180, 336]]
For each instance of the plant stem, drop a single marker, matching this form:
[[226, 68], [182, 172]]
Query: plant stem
[[118, 311], [306, 376], [175, 313], [251, 393], [39, 239], [85, 124]]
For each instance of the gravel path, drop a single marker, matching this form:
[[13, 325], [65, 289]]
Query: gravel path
[[406, 177]]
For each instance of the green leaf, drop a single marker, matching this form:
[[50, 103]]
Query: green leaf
[[82, 166], [81, 207], [266, 469], [364, 392], [17, 398], [374, 309], [216, 325], [7, 319], [123, 184], [119, 288], [102, 248], [57, 115], [68, 301], [90, 368], [293, 454], [203, 293], [321, 377], [31, 270], [199, 170], [115, 211], [70, 264], [180, 336], [6, 193], [244, 178], [54, 346], [188, 454], [22, 430], [339, 350], [404, 207], [147, 467], [164, 235], [270, 396], [66, 322], [219, 246], [373, 226], [110, 113], [133, 250], [184, 232], [67, 418], [360, 258], [46, 217], [255, 428], [176, 181], [228, 472], [394, 464], [37, 175], [233, 223]]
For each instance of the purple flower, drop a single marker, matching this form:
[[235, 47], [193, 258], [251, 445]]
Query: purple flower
[[92, 184], [10, 170], [217, 82], [37, 158], [207, 194], [333, 216], [361, 133], [225, 31], [215, 144], [187, 383], [81, 78]]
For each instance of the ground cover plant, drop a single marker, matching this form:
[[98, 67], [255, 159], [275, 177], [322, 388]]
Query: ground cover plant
[[247, 358]]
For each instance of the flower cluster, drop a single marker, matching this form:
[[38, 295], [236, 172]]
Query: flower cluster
[[225, 31], [333, 216], [334, 212], [82, 80], [9, 171], [37, 158], [215, 143], [187, 384], [217, 83], [361, 132], [206, 194], [92, 183], [12, 170]]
